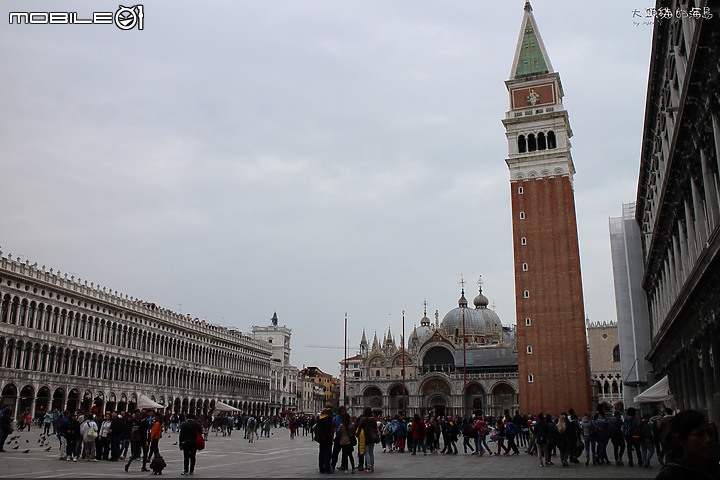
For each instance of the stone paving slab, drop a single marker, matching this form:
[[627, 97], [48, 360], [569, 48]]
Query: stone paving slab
[[280, 457]]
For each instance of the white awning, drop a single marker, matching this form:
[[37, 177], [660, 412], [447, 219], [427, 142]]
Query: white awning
[[145, 403], [224, 407], [660, 392]]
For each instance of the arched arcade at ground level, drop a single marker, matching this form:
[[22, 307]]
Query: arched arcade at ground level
[[38, 398]]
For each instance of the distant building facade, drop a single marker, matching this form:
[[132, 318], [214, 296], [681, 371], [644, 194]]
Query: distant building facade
[[71, 345], [283, 375], [678, 205], [329, 385], [553, 363], [466, 364], [605, 365]]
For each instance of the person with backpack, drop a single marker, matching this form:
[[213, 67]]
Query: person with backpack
[[418, 430], [647, 441], [603, 436], [89, 432], [631, 432], [189, 433], [251, 426], [469, 435], [588, 427], [481, 430], [139, 427], [510, 435]]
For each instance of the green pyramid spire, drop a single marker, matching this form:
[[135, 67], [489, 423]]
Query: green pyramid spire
[[530, 57]]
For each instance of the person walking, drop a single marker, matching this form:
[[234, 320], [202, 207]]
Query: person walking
[[156, 432], [139, 439], [616, 437], [103, 451], [565, 438], [188, 433]]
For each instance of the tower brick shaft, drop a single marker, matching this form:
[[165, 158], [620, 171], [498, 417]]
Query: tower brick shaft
[[553, 363]]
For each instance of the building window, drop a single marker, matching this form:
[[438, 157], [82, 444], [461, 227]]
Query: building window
[[529, 350], [522, 215], [532, 144], [522, 146], [528, 322], [523, 241], [525, 267], [531, 379], [616, 353], [526, 294], [377, 373], [551, 139], [520, 190], [542, 145]]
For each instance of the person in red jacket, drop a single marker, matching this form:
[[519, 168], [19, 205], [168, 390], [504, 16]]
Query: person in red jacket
[[418, 430]]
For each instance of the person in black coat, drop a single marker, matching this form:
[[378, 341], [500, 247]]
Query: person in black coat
[[324, 434], [693, 446], [5, 426], [188, 434]]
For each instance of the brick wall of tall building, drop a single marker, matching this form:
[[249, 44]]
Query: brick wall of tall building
[[549, 293]]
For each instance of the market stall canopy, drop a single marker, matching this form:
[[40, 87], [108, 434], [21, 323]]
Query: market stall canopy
[[660, 392], [145, 403], [224, 407]]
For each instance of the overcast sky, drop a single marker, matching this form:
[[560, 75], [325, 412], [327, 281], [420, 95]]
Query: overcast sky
[[309, 157]]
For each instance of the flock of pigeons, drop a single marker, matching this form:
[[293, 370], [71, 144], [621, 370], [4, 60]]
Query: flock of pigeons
[[43, 441]]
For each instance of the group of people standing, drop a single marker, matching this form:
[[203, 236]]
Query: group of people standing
[[685, 442]]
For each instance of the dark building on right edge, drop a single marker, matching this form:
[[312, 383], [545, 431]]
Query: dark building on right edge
[[678, 202]]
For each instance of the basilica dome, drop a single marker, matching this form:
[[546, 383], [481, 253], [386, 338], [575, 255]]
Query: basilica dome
[[477, 320]]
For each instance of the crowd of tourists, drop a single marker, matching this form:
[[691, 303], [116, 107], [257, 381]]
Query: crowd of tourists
[[684, 442], [127, 437]]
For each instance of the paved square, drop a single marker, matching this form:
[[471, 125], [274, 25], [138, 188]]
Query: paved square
[[280, 457]]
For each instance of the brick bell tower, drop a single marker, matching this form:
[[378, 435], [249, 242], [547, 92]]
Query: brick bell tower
[[553, 363]]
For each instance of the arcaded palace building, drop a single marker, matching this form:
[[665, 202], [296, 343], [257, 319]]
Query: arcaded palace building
[[466, 364], [678, 204], [71, 345]]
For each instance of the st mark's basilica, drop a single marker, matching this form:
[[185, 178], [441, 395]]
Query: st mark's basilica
[[465, 364]]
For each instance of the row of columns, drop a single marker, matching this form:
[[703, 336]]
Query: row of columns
[[694, 373]]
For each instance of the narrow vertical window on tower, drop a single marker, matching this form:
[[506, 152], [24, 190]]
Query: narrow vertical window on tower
[[522, 215], [528, 322], [523, 241], [542, 145], [529, 350], [532, 144], [520, 190], [525, 267], [526, 294], [522, 145], [531, 379], [551, 139]]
